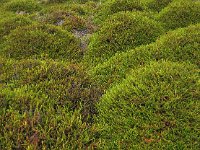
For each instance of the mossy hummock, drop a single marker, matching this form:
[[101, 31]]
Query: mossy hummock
[[156, 106], [110, 7], [38, 40], [121, 32], [158, 5], [179, 45], [43, 102], [180, 13], [26, 6], [11, 23]]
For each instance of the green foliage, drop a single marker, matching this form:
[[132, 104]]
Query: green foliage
[[178, 45], [158, 5], [115, 68], [67, 19], [121, 32], [46, 104], [99, 74], [36, 40], [11, 23], [27, 6], [53, 1], [155, 107], [125, 5], [3, 1], [113, 6], [180, 13]]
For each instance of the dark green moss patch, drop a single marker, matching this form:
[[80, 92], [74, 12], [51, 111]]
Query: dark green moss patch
[[36, 40], [158, 5], [156, 106], [180, 13], [27, 6], [121, 32], [42, 102], [11, 23], [114, 6], [178, 45]]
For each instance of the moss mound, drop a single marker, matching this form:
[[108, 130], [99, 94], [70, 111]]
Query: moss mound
[[44, 101], [123, 31], [36, 40], [11, 23], [125, 5], [115, 68], [113, 6], [157, 109], [53, 1], [66, 84], [180, 13], [27, 6], [178, 45], [67, 19], [3, 1], [158, 5]]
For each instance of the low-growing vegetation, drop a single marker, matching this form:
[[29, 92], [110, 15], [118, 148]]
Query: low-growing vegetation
[[41, 40], [156, 105], [180, 13], [11, 23], [179, 45], [124, 30], [99, 74], [26, 6]]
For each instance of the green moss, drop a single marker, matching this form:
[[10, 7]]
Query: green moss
[[27, 6], [3, 1], [114, 69], [11, 23], [123, 31], [46, 104], [67, 19], [53, 1], [125, 5], [137, 87], [65, 83], [180, 13], [113, 6], [155, 107], [178, 45], [158, 5], [36, 40]]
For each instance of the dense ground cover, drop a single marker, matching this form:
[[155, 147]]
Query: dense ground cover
[[99, 74]]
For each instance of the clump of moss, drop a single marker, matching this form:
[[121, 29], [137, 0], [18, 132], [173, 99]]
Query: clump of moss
[[114, 6], [156, 107], [46, 104], [180, 13], [114, 69], [179, 45], [11, 23], [67, 84], [36, 40], [125, 5], [3, 1], [121, 32], [53, 1], [158, 5], [27, 6], [67, 19]]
